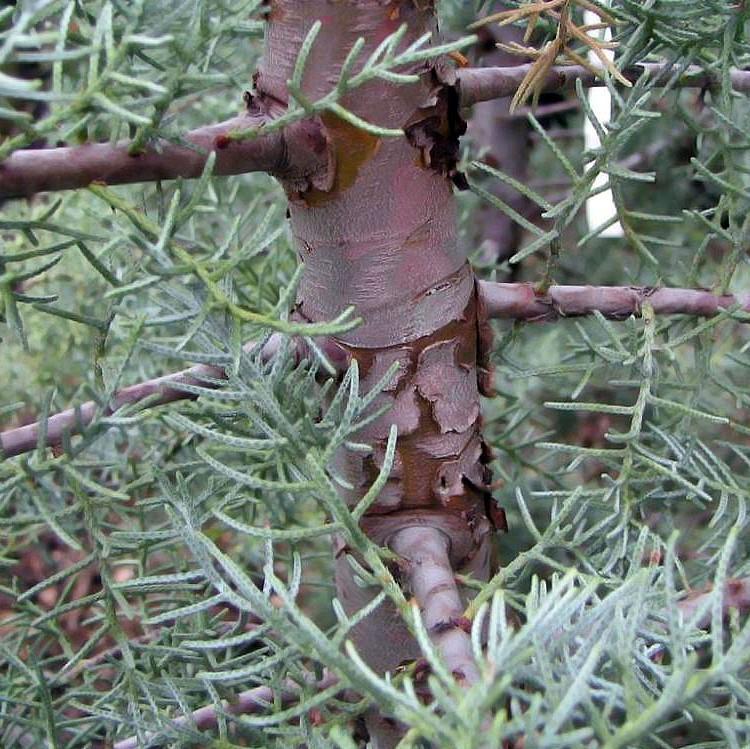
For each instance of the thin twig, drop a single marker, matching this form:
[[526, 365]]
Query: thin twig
[[432, 582], [483, 84], [510, 301], [505, 139], [159, 392], [522, 301], [736, 596], [27, 172], [431, 579], [248, 702]]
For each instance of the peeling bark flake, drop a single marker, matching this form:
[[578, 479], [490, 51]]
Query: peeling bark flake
[[435, 129], [451, 389]]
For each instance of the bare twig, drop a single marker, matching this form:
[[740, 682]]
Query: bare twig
[[483, 84], [159, 392], [302, 145], [522, 301], [510, 301], [246, 703], [431, 579], [736, 596]]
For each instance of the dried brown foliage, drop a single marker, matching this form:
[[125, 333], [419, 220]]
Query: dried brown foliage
[[559, 50]]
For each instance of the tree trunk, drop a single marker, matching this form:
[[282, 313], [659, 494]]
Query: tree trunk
[[383, 238]]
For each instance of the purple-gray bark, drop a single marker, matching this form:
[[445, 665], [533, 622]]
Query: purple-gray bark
[[523, 301], [505, 143], [27, 172]]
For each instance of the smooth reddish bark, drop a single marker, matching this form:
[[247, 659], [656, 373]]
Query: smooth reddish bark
[[383, 239], [374, 223]]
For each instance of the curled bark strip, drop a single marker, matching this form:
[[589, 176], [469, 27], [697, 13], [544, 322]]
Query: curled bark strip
[[447, 387], [298, 154], [434, 403], [483, 84], [521, 301]]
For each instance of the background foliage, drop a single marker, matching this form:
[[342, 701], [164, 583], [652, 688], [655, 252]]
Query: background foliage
[[174, 557]]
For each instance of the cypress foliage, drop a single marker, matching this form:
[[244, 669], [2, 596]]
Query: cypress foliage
[[166, 574]]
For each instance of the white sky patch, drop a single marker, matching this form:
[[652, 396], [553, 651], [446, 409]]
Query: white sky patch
[[600, 208]]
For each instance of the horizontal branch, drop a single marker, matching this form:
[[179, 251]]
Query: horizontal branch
[[509, 301], [482, 84], [521, 301], [159, 392], [249, 702], [29, 171]]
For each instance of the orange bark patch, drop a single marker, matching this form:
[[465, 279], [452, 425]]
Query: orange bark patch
[[352, 148], [441, 462]]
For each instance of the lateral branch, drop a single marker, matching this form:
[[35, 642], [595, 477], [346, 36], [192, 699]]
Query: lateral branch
[[431, 579], [259, 699], [484, 84], [249, 702], [298, 152], [159, 392], [523, 301], [502, 301], [29, 171]]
